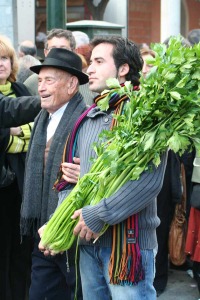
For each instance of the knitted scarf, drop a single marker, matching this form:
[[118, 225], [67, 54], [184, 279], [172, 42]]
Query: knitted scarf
[[125, 266], [6, 89]]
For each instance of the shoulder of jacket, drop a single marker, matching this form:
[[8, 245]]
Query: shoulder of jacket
[[20, 89]]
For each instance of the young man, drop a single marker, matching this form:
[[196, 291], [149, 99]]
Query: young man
[[58, 81], [114, 57]]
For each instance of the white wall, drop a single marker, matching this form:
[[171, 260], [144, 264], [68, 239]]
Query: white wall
[[26, 20], [17, 20], [116, 12], [170, 18], [6, 19]]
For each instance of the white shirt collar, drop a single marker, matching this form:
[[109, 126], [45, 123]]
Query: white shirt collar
[[54, 121]]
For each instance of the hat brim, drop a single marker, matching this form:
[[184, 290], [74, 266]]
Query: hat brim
[[82, 77]]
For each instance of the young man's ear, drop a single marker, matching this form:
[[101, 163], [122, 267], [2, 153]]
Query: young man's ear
[[123, 70]]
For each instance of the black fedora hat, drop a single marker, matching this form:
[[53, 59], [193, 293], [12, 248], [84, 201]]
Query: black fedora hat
[[65, 60]]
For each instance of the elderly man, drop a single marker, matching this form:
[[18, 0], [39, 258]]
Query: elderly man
[[58, 84]]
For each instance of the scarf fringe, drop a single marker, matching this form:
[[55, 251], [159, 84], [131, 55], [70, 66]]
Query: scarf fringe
[[125, 266]]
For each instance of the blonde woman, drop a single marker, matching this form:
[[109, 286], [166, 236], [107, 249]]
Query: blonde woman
[[14, 255]]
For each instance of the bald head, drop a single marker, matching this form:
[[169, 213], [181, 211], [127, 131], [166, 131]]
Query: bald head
[[27, 48]]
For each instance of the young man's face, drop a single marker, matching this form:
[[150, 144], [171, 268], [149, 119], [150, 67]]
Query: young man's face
[[101, 67], [56, 42]]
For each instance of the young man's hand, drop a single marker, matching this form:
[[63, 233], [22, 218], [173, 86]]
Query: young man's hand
[[71, 172], [81, 228]]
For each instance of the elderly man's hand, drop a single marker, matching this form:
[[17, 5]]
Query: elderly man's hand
[[42, 248], [71, 172]]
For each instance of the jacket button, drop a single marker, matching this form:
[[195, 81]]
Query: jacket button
[[106, 120]]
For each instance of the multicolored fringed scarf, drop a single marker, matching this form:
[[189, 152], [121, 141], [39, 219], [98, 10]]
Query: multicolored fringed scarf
[[125, 266]]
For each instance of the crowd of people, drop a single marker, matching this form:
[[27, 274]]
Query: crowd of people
[[41, 101]]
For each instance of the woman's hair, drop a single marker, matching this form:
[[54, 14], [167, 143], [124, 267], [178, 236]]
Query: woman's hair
[[85, 51], [146, 51], [7, 49], [124, 52]]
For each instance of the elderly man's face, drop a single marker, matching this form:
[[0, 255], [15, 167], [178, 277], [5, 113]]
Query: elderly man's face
[[53, 87]]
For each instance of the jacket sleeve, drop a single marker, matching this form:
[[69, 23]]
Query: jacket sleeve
[[19, 144], [130, 199], [4, 139], [18, 111]]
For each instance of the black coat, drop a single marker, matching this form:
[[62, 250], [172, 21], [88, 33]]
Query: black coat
[[14, 113]]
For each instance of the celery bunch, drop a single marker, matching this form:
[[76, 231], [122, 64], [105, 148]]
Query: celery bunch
[[163, 114]]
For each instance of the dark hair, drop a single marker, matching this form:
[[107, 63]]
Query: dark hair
[[124, 52], [58, 32], [28, 50], [185, 42], [194, 36]]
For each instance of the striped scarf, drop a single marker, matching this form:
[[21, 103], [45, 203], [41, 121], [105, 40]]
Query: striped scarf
[[125, 267]]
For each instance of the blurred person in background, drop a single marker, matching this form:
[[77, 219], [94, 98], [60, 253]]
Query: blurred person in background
[[194, 36], [27, 48], [25, 62], [81, 38], [146, 54]]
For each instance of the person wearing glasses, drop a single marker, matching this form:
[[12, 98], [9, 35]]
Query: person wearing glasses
[[56, 38]]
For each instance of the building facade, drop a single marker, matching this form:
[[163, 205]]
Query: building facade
[[144, 21]]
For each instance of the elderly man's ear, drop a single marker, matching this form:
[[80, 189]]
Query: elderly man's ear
[[72, 85]]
